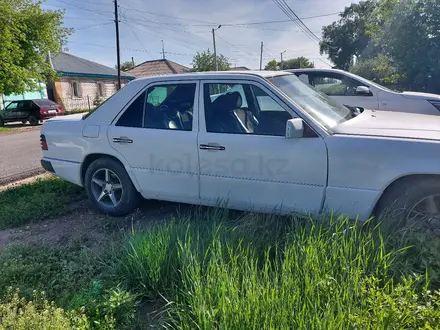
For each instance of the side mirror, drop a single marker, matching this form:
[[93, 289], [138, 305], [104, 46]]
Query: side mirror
[[294, 128], [363, 90]]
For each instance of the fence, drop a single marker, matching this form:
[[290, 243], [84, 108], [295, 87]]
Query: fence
[[83, 104]]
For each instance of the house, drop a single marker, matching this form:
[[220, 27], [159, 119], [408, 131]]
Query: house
[[82, 83], [157, 68]]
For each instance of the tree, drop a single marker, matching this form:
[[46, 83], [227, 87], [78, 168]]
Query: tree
[[294, 63], [127, 65], [205, 61], [407, 32], [379, 69], [348, 37], [272, 66], [28, 34]]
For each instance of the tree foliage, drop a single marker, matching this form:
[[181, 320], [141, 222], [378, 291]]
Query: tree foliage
[[395, 41], [379, 69], [205, 61], [409, 34], [293, 63], [125, 66], [348, 36], [27, 35]]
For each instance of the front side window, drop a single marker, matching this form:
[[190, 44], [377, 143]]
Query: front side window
[[12, 106], [243, 109], [335, 84], [162, 107]]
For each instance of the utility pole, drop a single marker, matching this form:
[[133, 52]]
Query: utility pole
[[261, 56], [163, 51], [281, 63], [215, 50], [132, 61], [118, 55]]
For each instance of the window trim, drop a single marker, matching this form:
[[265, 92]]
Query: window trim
[[195, 125], [202, 119], [78, 83]]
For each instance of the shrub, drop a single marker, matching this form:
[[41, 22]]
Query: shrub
[[38, 313]]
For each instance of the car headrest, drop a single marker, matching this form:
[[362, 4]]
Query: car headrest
[[234, 100]]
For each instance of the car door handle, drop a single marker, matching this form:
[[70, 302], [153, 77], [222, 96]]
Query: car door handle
[[211, 147], [122, 139]]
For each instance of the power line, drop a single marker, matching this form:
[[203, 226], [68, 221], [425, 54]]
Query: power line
[[129, 49], [139, 40], [89, 26], [291, 14]]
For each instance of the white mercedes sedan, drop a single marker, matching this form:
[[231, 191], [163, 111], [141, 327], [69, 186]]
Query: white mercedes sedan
[[260, 141]]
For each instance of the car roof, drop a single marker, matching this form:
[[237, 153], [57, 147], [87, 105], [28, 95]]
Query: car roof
[[216, 75], [317, 70]]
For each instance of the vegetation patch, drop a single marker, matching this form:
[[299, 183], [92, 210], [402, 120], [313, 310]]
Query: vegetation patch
[[36, 201], [218, 269]]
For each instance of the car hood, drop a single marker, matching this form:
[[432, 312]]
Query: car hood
[[424, 96], [392, 124]]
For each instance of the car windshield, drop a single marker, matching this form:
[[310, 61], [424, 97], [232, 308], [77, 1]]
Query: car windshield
[[316, 104]]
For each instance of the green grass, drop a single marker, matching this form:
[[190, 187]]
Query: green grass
[[275, 273], [217, 269], [4, 129], [36, 201]]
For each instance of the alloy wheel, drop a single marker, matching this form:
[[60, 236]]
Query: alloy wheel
[[107, 187]]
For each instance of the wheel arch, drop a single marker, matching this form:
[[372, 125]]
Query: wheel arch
[[400, 180], [90, 158]]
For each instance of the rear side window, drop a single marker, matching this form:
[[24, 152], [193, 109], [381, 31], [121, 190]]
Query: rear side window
[[132, 117], [162, 107], [44, 102]]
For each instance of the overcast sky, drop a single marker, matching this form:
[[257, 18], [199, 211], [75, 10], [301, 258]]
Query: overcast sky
[[185, 27]]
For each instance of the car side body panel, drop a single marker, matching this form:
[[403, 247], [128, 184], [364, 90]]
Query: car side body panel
[[361, 168]]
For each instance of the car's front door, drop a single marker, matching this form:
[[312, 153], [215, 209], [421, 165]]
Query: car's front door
[[245, 160], [12, 111], [343, 90], [157, 135]]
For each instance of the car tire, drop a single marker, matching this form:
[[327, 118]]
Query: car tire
[[402, 204], [33, 120], [113, 174], [2, 122]]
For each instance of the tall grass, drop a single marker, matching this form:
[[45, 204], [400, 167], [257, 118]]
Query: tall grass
[[219, 271]]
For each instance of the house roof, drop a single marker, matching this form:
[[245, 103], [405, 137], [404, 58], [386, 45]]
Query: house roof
[[157, 67], [240, 68], [70, 65]]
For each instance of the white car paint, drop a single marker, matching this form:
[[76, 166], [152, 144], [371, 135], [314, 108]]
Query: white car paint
[[343, 168], [381, 98]]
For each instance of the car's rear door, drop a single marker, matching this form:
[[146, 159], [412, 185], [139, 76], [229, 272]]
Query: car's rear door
[[157, 135], [26, 108], [251, 165]]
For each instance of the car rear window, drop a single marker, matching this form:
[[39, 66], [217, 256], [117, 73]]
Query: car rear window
[[44, 102]]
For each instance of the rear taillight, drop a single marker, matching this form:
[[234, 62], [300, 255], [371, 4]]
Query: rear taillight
[[43, 142]]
